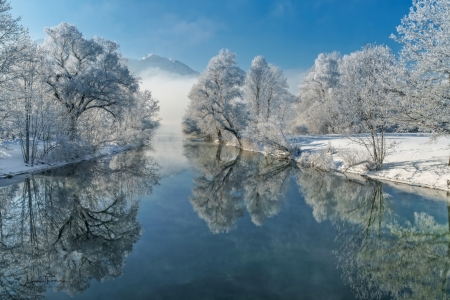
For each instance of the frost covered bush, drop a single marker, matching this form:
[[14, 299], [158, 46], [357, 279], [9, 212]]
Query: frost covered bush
[[64, 148], [330, 149], [267, 137], [319, 160], [355, 158], [300, 129]]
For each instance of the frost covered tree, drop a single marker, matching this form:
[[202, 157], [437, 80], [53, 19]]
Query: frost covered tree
[[265, 90], [215, 110], [425, 36], [425, 56], [12, 37], [251, 113], [318, 103], [269, 103], [366, 101], [29, 108], [86, 74], [133, 127], [139, 120]]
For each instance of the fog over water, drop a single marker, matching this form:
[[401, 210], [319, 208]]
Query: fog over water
[[172, 92]]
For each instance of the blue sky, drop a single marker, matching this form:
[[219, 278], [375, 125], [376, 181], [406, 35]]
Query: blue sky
[[289, 33]]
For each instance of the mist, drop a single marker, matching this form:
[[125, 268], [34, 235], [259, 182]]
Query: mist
[[172, 92], [294, 78]]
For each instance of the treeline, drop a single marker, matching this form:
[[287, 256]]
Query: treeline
[[70, 96], [369, 92]]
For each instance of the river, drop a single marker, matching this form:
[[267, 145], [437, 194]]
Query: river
[[190, 220]]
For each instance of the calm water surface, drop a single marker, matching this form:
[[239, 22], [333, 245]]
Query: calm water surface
[[196, 221]]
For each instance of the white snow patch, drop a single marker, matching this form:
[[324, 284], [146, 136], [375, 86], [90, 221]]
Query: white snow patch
[[414, 160], [11, 160], [147, 56]]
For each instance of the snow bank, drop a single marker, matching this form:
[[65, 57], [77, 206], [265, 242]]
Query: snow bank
[[11, 160], [414, 159], [168, 146]]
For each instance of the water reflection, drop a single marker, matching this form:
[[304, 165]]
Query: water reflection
[[384, 251], [71, 225], [229, 182], [64, 228]]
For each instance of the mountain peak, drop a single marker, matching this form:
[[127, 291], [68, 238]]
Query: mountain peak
[[153, 62]]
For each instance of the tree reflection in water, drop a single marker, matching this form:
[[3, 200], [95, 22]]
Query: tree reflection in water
[[229, 181], [383, 251], [77, 224], [383, 254]]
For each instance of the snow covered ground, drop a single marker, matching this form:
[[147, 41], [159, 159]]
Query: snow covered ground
[[414, 160], [11, 160]]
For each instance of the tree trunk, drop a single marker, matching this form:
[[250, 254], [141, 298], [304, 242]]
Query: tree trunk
[[73, 127], [268, 108]]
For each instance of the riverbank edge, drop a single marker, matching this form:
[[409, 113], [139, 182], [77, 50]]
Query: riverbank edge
[[365, 174], [50, 166]]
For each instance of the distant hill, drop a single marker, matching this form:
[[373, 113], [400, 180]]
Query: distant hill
[[154, 62]]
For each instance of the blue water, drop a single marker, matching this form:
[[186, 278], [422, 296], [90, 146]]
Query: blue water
[[218, 224]]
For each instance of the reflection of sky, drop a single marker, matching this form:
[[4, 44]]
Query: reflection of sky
[[167, 145]]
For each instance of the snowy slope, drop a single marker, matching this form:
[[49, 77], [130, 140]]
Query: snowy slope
[[154, 62]]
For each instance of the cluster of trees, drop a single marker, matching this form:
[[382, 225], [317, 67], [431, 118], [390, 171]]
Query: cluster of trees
[[246, 109], [369, 92], [70, 95], [373, 91]]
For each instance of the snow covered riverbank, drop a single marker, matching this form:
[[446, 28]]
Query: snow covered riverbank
[[11, 160], [413, 160]]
